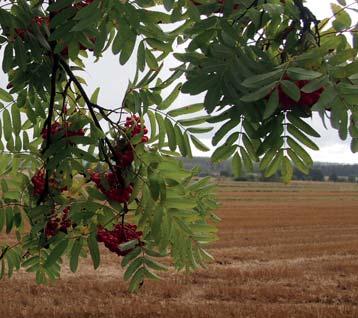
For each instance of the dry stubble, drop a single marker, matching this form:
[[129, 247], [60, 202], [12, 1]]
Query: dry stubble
[[284, 251]]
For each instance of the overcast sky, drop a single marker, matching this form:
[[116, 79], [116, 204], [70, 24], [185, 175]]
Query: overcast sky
[[113, 79]]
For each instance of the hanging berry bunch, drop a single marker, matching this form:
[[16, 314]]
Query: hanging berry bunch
[[62, 130], [59, 222], [39, 184], [306, 100], [122, 233], [113, 183]]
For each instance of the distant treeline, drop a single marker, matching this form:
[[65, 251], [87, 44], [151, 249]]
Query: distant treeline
[[320, 171]]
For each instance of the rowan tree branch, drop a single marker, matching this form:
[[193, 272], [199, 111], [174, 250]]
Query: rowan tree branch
[[91, 107]]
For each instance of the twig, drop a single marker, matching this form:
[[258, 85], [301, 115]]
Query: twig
[[253, 4]]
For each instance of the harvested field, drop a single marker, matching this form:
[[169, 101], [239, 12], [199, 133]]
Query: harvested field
[[284, 251]]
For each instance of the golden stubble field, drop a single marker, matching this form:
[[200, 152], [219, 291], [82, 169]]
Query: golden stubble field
[[284, 251]]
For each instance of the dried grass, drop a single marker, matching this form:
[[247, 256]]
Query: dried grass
[[285, 251]]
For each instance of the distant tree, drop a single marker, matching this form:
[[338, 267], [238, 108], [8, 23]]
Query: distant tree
[[352, 179], [316, 175], [333, 177], [298, 175], [225, 173]]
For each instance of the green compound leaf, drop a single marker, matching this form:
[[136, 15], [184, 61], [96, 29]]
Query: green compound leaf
[[75, 253], [94, 250], [56, 253]]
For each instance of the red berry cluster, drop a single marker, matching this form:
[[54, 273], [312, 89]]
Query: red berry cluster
[[124, 157], [58, 223], [39, 182], [119, 235], [112, 183], [134, 126], [307, 100], [36, 20], [112, 186], [39, 20], [124, 154], [65, 129]]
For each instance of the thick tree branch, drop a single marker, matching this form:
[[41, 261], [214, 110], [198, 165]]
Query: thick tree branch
[[253, 4], [91, 107], [307, 17]]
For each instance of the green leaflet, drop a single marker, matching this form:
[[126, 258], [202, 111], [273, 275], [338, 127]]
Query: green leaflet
[[224, 129], [249, 147], [7, 125], [275, 164], [187, 145], [301, 137], [314, 85], [75, 253], [2, 218], [300, 124], [199, 130], [5, 96], [157, 223], [246, 159], [193, 121], [186, 110], [56, 253], [151, 60], [291, 90], [6, 65], [16, 120], [297, 73], [9, 219], [262, 79], [162, 130], [128, 245], [155, 265], [170, 99], [94, 250], [236, 165], [171, 134], [300, 151], [141, 56], [133, 266], [198, 144], [127, 48], [258, 94], [94, 97], [137, 279], [342, 18], [212, 98], [153, 125], [297, 161], [272, 104], [180, 140], [286, 170], [131, 256], [222, 153]]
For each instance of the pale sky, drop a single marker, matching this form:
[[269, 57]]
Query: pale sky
[[113, 79]]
